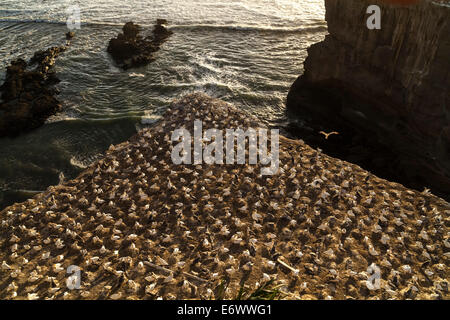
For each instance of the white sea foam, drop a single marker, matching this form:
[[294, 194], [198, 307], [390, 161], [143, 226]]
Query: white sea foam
[[77, 163], [149, 118], [139, 75]]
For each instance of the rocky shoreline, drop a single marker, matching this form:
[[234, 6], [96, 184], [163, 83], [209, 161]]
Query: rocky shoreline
[[141, 227]]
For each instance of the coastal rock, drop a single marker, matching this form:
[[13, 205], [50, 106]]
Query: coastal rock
[[129, 49], [130, 31], [139, 226], [390, 83], [27, 93], [70, 35]]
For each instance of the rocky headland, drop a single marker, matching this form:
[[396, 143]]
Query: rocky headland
[[139, 226], [389, 86], [129, 49]]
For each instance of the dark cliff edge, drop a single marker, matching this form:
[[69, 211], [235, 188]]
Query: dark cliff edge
[[391, 84]]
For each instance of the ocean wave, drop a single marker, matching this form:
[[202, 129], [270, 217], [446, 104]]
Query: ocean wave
[[315, 27], [15, 20], [297, 29], [78, 163], [61, 118], [60, 22], [136, 75], [149, 118]]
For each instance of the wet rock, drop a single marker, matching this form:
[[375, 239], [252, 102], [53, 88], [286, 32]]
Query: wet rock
[[28, 93], [130, 30], [70, 35], [160, 32], [129, 49], [161, 21]]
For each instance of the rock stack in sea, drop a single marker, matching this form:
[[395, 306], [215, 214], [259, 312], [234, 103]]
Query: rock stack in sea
[[140, 227], [129, 49]]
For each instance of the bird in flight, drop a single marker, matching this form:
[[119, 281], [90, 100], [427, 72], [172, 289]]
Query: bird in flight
[[328, 134]]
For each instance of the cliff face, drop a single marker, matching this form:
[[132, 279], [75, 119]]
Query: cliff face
[[394, 81]]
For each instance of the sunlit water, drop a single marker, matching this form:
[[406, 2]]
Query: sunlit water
[[245, 52]]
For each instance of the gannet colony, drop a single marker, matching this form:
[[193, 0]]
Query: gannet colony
[[138, 226]]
